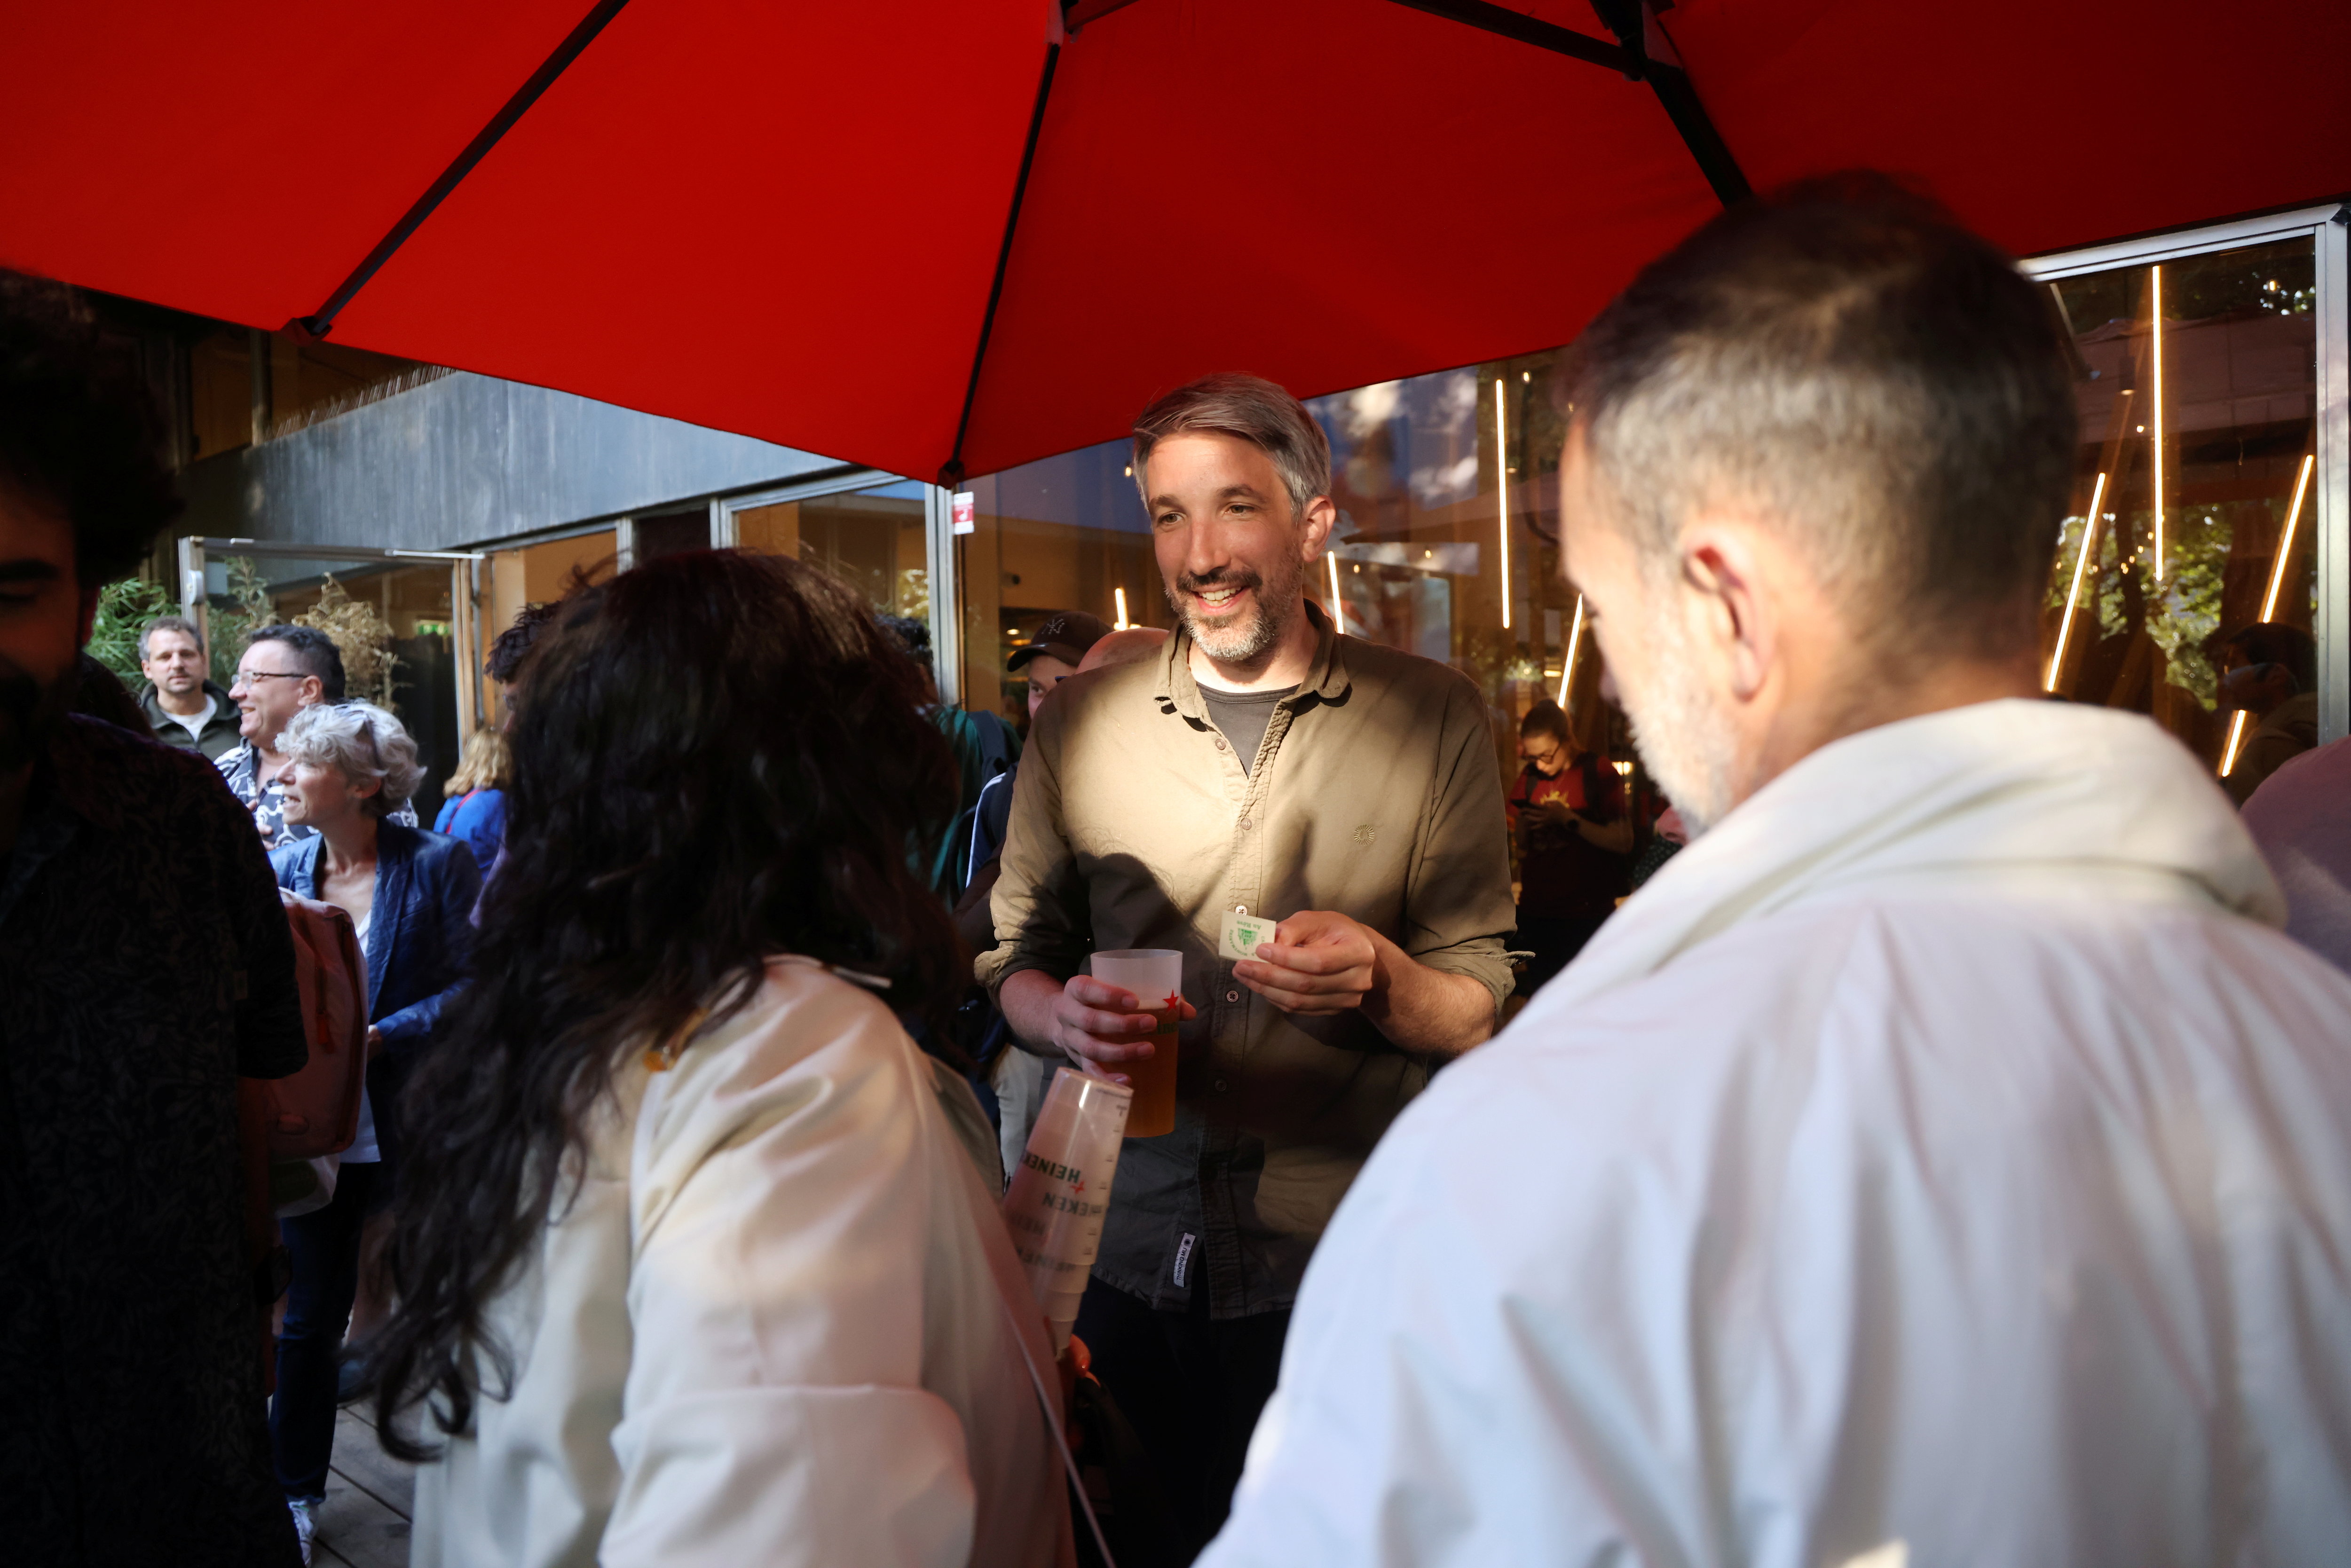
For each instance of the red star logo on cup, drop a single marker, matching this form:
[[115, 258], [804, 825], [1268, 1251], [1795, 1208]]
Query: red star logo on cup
[[1174, 999]]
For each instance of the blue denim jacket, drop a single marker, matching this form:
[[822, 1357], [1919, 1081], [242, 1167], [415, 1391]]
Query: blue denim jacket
[[420, 938]]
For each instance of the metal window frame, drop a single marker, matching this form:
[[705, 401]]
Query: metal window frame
[[938, 549], [2325, 227], [947, 606], [469, 594]]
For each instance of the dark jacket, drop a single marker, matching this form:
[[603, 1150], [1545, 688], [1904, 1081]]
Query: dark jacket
[[420, 938], [219, 732], [144, 967]]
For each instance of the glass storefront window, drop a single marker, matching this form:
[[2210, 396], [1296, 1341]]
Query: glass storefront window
[[2199, 491], [1429, 476], [873, 539], [2197, 380], [1068, 533], [395, 623]]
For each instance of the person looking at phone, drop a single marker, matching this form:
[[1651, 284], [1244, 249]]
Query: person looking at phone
[[1574, 839], [1260, 763]]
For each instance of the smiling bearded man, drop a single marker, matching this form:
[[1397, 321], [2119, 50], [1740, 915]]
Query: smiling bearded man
[[1260, 764], [1941, 1160]]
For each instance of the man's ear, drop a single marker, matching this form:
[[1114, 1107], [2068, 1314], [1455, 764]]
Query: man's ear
[[314, 692], [1322, 515], [1726, 566]]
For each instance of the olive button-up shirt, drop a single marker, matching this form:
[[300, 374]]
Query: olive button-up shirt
[[1375, 793]]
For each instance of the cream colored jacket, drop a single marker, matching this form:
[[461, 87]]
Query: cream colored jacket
[[772, 1329]]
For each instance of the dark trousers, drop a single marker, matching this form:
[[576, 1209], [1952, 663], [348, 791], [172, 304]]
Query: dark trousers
[[1191, 1387], [1554, 942], [325, 1248]]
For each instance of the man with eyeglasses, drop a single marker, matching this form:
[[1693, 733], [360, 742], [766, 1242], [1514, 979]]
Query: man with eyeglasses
[[1574, 839], [285, 670]]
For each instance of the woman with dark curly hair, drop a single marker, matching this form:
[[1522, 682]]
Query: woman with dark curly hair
[[691, 1266]]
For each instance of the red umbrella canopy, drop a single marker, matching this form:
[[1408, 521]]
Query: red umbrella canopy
[[802, 222]]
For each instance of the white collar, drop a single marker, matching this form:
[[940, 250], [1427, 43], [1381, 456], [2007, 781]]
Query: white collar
[[2061, 797]]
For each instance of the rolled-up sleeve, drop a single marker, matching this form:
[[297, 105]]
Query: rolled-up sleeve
[[1458, 914], [1039, 906]]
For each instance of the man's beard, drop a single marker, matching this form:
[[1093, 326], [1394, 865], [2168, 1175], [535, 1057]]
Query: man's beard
[[1241, 640], [1679, 732], [29, 713]]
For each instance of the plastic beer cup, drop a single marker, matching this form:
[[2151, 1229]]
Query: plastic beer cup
[[1155, 975]]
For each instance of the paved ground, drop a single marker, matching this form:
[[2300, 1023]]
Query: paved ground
[[369, 1498]]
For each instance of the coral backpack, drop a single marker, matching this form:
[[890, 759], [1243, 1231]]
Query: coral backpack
[[317, 1111]]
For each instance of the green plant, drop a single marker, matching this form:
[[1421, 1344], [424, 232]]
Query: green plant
[[249, 609], [124, 609]]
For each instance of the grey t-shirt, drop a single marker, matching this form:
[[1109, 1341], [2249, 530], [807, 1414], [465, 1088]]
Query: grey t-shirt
[[1243, 715]]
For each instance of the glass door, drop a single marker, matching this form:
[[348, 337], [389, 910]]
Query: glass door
[[406, 622]]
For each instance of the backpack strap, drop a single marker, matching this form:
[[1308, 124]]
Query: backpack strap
[[1060, 1442]]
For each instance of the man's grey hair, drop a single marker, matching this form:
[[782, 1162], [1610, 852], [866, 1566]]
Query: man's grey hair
[[1886, 387], [178, 623], [1257, 412], [363, 741]]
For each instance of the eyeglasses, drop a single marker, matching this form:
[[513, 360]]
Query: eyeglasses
[[247, 677]]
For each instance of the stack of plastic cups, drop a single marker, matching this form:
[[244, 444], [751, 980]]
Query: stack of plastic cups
[[1058, 1196]]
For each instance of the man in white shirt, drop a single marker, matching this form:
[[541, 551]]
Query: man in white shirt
[[1940, 1161]]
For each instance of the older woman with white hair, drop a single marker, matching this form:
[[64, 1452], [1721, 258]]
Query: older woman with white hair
[[348, 767]]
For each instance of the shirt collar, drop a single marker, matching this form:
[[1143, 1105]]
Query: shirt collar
[[1326, 676]]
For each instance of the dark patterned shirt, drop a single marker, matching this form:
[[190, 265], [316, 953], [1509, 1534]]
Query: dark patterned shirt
[[144, 964], [266, 798]]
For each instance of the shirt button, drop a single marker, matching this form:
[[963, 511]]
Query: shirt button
[[1220, 1086], [1220, 743], [1244, 824], [1232, 996], [1240, 909]]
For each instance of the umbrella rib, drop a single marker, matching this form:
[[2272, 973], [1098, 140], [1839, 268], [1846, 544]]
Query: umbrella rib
[[1526, 30], [319, 322], [951, 473], [1630, 56]]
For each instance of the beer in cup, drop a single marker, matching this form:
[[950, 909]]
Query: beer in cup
[[1155, 975]]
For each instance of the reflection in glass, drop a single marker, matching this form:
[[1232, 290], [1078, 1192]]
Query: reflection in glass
[[1444, 545], [873, 540], [395, 624], [2196, 392]]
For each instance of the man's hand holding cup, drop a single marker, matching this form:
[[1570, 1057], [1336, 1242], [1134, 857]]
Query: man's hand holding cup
[[1097, 1025]]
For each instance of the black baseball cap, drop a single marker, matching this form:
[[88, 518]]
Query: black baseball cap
[[1066, 634]]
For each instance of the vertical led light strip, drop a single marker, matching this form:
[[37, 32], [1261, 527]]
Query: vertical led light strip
[[2269, 600], [1502, 490], [2074, 594], [2286, 544], [1567, 666], [2155, 427], [1330, 558], [1121, 594]]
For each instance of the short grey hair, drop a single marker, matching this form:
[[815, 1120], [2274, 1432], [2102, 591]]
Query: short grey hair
[[1257, 412], [178, 623], [1887, 387], [363, 741]]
